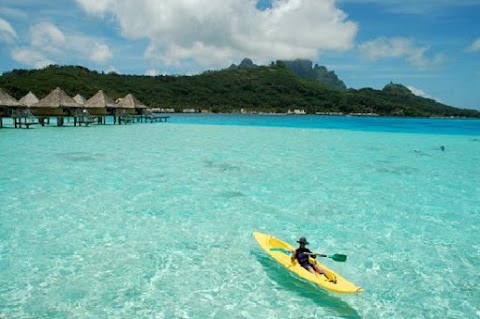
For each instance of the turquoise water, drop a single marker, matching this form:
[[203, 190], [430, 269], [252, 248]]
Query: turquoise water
[[351, 123], [156, 220]]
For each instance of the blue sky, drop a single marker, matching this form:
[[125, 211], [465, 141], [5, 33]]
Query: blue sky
[[433, 47]]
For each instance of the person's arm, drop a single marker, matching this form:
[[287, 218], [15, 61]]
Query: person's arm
[[294, 255], [310, 254]]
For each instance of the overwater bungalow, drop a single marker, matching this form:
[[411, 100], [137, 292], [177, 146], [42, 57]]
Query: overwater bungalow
[[138, 110], [130, 102], [98, 105], [29, 99], [128, 107], [57, 103], [60, 105], [80, 99], [7, 102], [10, 107]]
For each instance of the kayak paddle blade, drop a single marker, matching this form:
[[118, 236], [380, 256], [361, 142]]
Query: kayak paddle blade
[[339, 257]]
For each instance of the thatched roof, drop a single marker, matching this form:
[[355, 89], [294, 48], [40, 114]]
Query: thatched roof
[[29, 99], [7, 100], [79, 99], [130, 102], [57, 98], [100, 100]]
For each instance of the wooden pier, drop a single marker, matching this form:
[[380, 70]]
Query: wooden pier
[[152, 118], [23, 117], [57, 104]]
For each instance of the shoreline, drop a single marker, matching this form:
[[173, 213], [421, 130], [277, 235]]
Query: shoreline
[[328, 114]]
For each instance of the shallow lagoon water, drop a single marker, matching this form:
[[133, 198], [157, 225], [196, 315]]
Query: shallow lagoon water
[[156, 221]]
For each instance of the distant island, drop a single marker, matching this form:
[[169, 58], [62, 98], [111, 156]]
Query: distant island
[[283, 87]]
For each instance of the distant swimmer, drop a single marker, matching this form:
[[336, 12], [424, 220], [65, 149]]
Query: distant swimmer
[[442, 148]]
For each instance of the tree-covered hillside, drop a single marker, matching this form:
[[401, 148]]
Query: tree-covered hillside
[[269, 89], [302, 68]]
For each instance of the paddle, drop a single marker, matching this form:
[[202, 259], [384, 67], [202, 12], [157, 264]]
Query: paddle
[[336, 257]]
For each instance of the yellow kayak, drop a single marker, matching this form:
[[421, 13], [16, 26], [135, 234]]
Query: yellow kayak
[[277, 248]]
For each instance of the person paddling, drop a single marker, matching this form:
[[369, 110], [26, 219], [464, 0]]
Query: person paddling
[[302, 254]]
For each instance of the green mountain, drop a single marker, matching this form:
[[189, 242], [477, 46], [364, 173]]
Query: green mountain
[[245, 64], [272, 88], [303, 69]]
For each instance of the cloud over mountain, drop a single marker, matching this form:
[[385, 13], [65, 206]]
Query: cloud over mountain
[[217, 32], [419, 92]]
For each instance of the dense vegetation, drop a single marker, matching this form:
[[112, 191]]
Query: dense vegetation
[[303, 69], [272, 88]]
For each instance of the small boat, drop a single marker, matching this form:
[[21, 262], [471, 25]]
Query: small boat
[[280, 251]]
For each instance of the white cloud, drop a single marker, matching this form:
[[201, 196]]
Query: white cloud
[[31, 57], [382, 48], [218, 32], [475, 46], [97, 7], [48, 43], [420, 7], [7, 33], [419, 92], [101, 53], [46, 37], [12, 13], [86, 46]]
